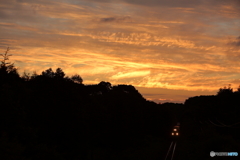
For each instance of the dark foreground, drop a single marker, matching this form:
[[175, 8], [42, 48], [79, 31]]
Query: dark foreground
[[50, 116]]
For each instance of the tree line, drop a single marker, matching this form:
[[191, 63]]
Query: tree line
[[53, 116]]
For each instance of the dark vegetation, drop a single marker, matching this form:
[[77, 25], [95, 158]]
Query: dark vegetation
[[51, 116]]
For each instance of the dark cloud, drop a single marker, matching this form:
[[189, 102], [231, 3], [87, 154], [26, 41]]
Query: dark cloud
[[110, 19], [20, 12], [169, 3], [116, 19], [78, 65], [235, 42], [4, 43], [173, 3]]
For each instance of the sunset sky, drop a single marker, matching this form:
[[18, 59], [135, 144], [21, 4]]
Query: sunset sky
[[168, 49]]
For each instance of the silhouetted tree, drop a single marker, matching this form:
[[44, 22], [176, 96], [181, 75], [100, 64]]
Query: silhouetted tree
[[7, 66], [26, 76], [59, 74], [77, 79], [5, 58], [225, 91], [8, 71], [48, 73], [34, 75], [238, 89]]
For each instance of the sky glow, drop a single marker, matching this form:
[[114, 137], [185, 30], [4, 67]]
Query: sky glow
[[169, 50]]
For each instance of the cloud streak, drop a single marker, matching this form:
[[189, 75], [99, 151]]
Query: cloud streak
[[116, 19]]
